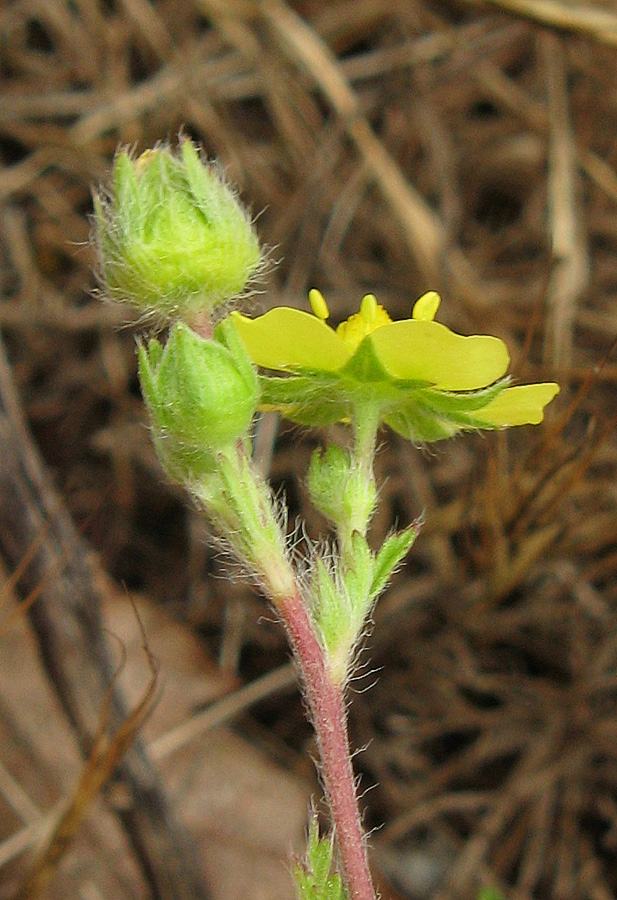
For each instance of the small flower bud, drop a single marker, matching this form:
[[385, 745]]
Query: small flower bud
[[200, 398], [338, 488], [172, 236]]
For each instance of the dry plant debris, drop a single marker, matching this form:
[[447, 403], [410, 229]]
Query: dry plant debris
[[463, 146]]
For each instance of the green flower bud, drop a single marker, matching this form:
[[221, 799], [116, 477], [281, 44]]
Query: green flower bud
[[173, 238], [200, 398], [339, 489]]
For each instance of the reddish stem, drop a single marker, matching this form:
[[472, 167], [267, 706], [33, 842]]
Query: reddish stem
[[327, 706], [201, 323]]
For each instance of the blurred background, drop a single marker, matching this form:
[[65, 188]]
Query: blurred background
[[468, 147]]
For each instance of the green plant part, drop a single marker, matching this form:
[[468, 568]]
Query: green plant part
[[201, 397], [490, 894], [338, 488], [172, 236], [315, 878]]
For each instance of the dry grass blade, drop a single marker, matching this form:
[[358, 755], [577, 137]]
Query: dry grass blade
[[425, 233], [67, 605], [222, 711], [595, 20], [570, 277]]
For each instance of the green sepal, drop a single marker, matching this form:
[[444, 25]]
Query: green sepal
[[226, 334], [420, 425], [413, 409], [148, 359], [307, 399], [463, 402], [392, 552], [198, 178], [126, 192], [431, 415], [365, 367]]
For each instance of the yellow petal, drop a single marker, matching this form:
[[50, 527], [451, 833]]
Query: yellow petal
[[520, 405], [286, 339], [428, 351]]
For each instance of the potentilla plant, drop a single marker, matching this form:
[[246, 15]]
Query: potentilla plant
[[174, 241]]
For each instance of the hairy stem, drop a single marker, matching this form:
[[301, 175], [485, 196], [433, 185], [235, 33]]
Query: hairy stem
[[240, 504], [327, 707]]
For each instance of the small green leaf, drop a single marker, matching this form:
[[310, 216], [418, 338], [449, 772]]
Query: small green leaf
[[391, 554], [315, 878], [330, 613]]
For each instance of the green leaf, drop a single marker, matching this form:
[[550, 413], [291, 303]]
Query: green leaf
[[315, 878], [391, 554]]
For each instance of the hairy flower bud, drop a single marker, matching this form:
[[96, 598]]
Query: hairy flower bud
[[200, 398], [338, 488], [173, 238]]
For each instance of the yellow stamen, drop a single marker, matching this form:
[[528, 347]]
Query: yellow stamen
[[371, 317], [425, 308], [368, 309], [318, 304]]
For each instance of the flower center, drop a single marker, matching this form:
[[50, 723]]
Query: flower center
[[353, 331]]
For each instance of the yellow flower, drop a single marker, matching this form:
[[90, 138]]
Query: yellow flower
[[427, 381]]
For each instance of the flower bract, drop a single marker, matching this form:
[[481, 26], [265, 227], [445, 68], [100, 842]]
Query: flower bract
[[426, 381]]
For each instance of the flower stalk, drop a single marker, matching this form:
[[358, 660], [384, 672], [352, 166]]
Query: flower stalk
[[326, 702]]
